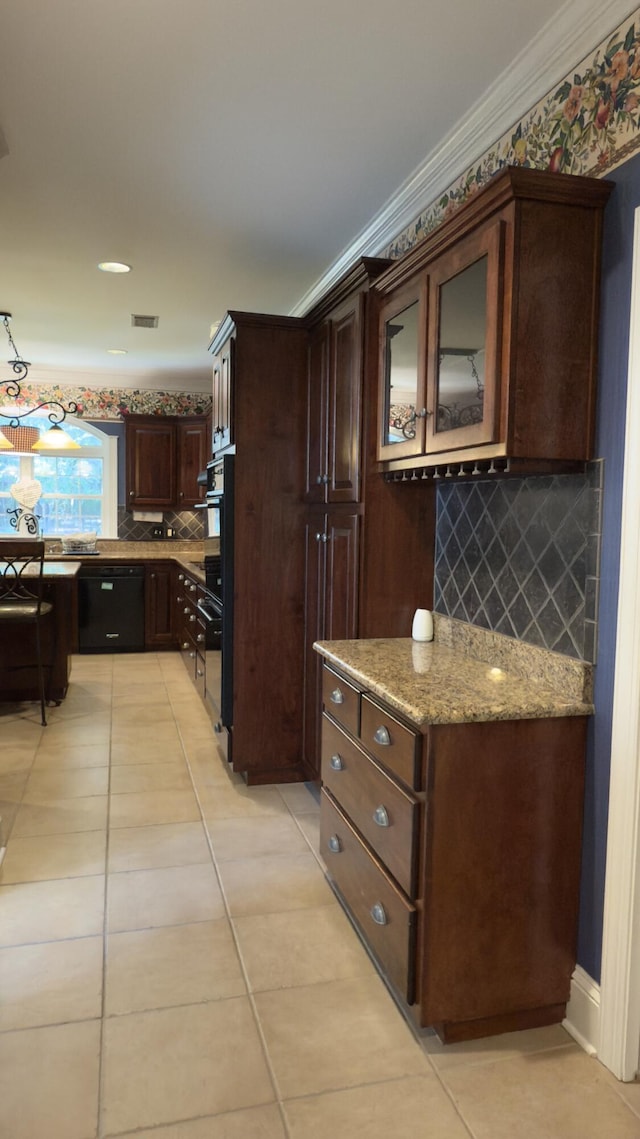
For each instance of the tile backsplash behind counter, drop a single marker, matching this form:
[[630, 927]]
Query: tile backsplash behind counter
[[521, 557], [186, 524]]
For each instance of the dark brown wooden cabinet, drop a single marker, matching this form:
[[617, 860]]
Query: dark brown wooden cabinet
[[189, 630], [151, 460], [488, 332], [164, 455], [158, 605], [193, 437], [331, 606], [267, 360], [456, 850], [334, 406], [223, 427]]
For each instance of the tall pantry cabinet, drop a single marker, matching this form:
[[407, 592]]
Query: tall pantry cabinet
[[341, 372], [261, 416]]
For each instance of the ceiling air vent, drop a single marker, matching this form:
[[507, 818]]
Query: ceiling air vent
[[143, 321]]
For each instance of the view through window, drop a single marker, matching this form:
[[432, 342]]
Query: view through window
[[78, 488]]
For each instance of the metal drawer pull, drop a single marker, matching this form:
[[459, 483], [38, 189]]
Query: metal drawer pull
[[378, 914], [337, 697], [381, 817], [381, 736], [334, 844], [336, 762]]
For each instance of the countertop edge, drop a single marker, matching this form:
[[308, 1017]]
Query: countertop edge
[[539, 701]]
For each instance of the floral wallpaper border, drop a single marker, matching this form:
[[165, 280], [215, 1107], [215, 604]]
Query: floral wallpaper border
[[115, 403], [587, 125]]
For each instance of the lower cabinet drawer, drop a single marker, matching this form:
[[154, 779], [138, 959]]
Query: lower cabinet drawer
[[393, 744], [385, 917], [385, 814]]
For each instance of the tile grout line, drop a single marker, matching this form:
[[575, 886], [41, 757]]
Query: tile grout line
[[254, 1012], [101, 1058]]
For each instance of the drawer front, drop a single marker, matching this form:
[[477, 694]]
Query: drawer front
[[395, 746], [385, 815], [341, 699], [385, 917]]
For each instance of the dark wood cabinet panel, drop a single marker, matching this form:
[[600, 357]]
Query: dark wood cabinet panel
[[317, 463], [224, 379], [159, 604], [331, 605], [194, 452], [151, 461], [268, 356]]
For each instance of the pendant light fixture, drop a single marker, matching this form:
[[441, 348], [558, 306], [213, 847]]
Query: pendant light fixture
[[14, 436]]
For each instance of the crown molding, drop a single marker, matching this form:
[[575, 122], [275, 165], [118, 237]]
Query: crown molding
[[563, 42]]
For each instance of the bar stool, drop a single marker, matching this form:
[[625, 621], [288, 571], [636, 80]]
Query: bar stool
[[21, 570]]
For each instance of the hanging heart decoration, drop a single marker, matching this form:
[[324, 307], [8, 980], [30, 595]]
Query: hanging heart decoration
[[26, 492]]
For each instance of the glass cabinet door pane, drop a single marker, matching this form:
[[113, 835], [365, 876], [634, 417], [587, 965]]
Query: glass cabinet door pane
[[401, 375], [461, 351]]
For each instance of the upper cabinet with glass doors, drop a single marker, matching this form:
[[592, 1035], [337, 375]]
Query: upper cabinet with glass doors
[[487, 331]]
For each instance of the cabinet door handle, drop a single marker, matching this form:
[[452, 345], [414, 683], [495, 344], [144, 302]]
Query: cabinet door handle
[[336, 762], [319, 480], [192, 656], [200, 638], [131, 493], [382, 737], [381, 817], [337, 697], [179, 598], [192, 617], [321, 537], [199, 672], [334, 844], [378, 914], [186, 610], [185, 644], [180, 577]]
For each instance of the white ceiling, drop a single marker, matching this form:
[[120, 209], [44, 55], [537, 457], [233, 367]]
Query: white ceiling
[[229, 150]]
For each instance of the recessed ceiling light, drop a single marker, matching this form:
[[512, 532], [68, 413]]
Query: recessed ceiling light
[[114, 267], [117, 351]]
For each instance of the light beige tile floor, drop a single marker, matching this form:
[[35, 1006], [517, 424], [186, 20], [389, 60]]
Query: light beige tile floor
[[173, 964]]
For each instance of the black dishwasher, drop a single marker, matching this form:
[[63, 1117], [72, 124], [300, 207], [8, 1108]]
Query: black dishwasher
[[111, 609]]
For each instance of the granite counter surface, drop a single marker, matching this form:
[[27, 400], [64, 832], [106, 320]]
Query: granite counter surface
[[187, 554], [436, 683]]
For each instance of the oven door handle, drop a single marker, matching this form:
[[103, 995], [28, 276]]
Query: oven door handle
[[205, 610]]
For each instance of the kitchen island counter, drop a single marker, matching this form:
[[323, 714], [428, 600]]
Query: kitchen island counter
[[18, 662]]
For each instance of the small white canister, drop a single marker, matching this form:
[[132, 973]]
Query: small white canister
[[422, 628]]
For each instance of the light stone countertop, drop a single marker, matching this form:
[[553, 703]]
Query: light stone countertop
[[435, 683], [186, 553]]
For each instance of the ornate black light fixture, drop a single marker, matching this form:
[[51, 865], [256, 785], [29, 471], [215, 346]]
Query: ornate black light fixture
[[55, 438]]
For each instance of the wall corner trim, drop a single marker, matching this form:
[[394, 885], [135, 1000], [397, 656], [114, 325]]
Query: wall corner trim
[[583, 1011]]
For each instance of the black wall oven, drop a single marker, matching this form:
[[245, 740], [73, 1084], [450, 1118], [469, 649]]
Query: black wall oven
[[218, 565]]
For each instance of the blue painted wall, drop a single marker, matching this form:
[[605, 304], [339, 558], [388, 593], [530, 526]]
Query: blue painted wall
[[612, 392]]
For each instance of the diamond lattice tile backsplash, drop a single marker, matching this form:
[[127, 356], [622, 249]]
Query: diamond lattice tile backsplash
[[186, 523], [521, 557]]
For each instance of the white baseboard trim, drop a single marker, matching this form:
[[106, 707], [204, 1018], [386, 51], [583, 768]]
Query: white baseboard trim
[[583, 1011]]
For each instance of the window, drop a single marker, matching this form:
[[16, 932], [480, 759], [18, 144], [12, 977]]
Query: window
[[78, 487]]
